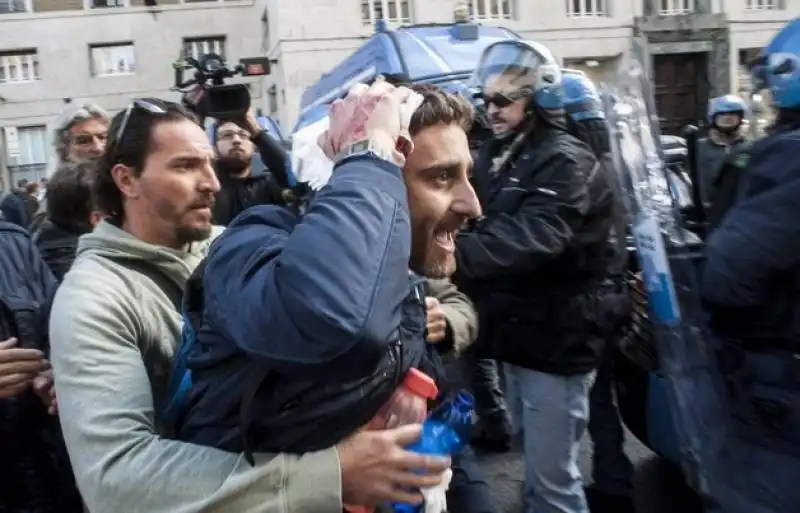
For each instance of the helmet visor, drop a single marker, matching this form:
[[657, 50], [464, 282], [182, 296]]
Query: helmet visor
[[508, 68]]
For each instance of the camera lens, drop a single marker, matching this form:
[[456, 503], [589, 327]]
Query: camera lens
[[213, 64]]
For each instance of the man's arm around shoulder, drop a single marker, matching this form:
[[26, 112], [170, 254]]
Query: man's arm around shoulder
[[106, 408]]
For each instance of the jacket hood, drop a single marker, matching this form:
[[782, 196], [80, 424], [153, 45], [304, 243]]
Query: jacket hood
[[108, 241]]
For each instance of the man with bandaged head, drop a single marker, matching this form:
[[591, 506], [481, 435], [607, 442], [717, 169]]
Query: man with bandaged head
[[536, 262]]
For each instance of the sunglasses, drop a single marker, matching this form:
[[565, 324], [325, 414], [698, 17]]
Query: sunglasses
[[141, 105], [503, 100]]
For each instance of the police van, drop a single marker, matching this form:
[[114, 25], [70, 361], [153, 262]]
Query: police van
[[441, 54]]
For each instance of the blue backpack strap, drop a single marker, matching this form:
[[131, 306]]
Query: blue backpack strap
[[180, 379], [255, 377]]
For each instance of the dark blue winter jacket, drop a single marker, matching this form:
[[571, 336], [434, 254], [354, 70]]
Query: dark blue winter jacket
[[318, 300], [751, 281], [36, 472]]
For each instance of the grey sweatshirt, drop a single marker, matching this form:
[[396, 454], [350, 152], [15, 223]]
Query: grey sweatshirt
[[113, 333]]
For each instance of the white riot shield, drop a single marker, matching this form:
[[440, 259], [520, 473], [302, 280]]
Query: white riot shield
[[669, 259]]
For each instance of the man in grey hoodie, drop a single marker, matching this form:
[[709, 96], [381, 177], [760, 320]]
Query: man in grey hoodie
[[114, 327]]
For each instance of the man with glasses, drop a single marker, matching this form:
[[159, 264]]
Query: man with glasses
[[534, 265], [242, 186], [81, 132], [115, 326]]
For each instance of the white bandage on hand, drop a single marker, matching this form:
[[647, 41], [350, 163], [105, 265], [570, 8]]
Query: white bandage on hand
[[436, 496]]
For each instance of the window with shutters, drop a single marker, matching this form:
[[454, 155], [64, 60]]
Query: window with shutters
[[392, 11], [110, 60], [762, 5], [196, 47], [31, 160], [15, 6], [587, 8], [490, 9], [676, 7], [19, 66]]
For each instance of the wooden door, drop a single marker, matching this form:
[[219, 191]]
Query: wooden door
[[678, 82]]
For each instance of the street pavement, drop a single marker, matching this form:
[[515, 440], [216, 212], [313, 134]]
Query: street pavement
[[658, 487]]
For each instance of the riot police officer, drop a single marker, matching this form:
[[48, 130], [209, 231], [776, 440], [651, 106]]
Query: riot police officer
[[751, 284], [726, 115], [536, 262]]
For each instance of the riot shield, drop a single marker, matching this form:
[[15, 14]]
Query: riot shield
[[669, 258]]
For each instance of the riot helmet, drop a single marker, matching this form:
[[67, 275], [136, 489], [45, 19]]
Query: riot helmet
[[726, 113], [517, 79], [584, 108], [777, 70]]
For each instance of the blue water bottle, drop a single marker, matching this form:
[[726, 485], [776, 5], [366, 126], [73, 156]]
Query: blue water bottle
[[445, 432]]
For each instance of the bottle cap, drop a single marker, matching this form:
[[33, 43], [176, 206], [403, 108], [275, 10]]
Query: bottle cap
[[419, 383]]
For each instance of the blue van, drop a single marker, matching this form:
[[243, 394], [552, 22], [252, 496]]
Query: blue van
[[441, 54]]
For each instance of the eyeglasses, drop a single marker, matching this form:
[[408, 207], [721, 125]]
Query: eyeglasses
[[230, 134], [143, 105], [503, 100]]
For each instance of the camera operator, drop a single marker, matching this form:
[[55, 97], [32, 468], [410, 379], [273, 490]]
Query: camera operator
[[535, 264], [236, 134], [241, 186]]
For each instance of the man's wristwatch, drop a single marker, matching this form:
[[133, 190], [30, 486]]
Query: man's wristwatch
[[363, 148]]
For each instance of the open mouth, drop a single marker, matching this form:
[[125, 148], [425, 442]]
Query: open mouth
[[446, 240]]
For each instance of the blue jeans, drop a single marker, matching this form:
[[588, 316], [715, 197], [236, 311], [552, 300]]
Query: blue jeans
[[552, 413]]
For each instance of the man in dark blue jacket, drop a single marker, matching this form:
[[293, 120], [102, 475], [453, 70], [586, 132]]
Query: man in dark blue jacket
[[321, 301], [12, 209], [751, 285], [36, 474]]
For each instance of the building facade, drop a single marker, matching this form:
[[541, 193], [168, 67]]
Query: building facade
[[55, 51], [699, 49], [306, 38]]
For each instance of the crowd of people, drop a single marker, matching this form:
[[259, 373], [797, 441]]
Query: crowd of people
[[306, 312]]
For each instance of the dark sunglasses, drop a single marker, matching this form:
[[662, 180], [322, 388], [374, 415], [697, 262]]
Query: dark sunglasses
[[503, 100], [142, 105]]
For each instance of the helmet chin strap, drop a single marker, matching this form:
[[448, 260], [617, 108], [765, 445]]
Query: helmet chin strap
[[727, 130]]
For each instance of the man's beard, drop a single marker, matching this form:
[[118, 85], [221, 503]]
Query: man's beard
[[183, 234], [424, 261], [188, 235], [231, 165]]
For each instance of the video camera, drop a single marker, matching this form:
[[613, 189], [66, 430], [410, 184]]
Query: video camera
[[208, 94]]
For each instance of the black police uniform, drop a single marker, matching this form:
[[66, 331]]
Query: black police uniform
[[535, 263]]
